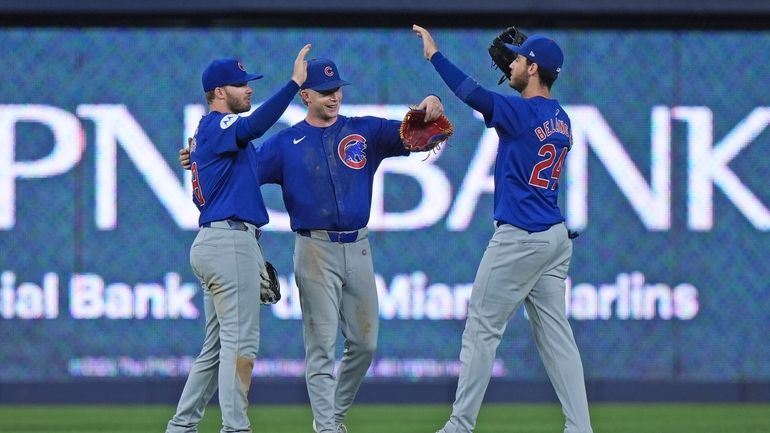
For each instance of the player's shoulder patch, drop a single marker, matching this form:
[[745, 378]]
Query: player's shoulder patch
[[228, 121]]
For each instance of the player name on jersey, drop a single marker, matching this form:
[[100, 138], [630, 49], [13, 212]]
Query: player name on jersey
[[550, 127]]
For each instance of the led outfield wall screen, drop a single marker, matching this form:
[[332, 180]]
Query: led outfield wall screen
[[666, 183]]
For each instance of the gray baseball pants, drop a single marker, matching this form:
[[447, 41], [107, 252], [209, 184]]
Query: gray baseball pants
[[337, 291], [228, 263], [517, 267]]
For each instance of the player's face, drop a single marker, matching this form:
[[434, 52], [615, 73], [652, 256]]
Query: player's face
[[324, 105], [519, 74], [238, 97]]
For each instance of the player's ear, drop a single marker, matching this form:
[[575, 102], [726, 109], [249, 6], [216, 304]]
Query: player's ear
[[532, 69]]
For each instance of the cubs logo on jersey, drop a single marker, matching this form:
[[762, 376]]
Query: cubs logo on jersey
[[351, 151]]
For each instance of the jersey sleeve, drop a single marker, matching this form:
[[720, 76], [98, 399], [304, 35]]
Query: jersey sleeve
[[508, 114], [388, 137], [257, 123], [220, 134], [269, 160], [462, 85]]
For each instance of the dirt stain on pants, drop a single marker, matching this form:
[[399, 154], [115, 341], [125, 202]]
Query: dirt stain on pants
[[244, 367]]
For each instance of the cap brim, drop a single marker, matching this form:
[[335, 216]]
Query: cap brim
[[328, 85], [515, 48], [246, 79], [252, 77]]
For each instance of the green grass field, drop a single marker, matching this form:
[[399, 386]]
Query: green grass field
[[494, 418]]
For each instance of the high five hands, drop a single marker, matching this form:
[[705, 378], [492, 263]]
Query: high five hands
[[429, 47], [300, 66]]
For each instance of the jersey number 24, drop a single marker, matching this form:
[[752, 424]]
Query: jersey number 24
[[548, 151]]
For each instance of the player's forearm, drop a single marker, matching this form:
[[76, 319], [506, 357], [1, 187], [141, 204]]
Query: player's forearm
[[258, 122], [465, 87]]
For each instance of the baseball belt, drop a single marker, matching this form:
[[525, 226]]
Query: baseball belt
[[232, 225], [333, 236]]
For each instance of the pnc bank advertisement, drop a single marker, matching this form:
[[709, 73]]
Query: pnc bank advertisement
[[666, 182]]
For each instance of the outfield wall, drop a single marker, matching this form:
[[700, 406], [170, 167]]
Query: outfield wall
[[666, 182]]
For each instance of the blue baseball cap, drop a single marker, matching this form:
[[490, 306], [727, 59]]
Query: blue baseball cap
[[322, 74], [541, 50], [223, 72]]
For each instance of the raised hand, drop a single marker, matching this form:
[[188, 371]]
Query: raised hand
[[429, 47], [300, 66]]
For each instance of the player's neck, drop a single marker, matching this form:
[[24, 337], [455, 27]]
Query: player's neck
[[534, 89], [320, 122], [220, 107]]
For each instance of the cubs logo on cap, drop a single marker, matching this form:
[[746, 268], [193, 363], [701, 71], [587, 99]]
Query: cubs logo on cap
[[322, 74], [223, 72]]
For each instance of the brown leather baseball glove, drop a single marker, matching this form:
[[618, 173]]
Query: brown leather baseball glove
[[420, 136]]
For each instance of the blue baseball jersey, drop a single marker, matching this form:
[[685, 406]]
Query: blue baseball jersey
[[225, 181], [535, 136], [224, 178], [326, 174]]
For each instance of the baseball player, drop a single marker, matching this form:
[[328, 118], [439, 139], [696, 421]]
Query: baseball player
[[325, 166], [226, 255], [529, 254]]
